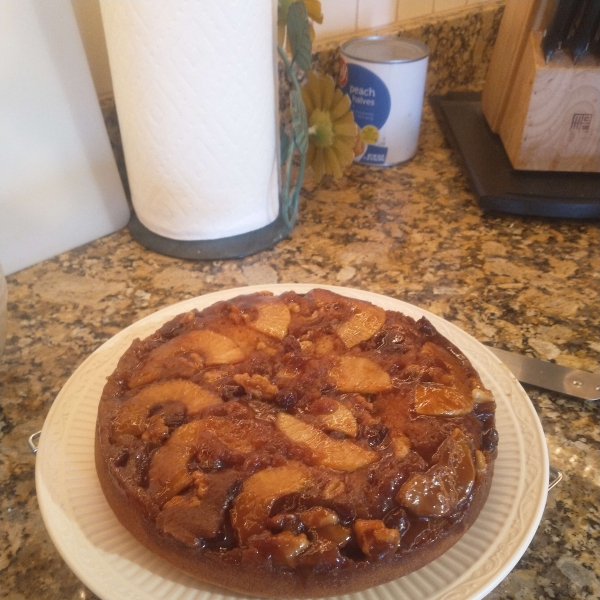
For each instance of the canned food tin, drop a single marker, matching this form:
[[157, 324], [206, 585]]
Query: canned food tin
[[385, 79]]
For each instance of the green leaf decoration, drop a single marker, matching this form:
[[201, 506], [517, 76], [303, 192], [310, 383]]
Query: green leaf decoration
[[298, 31], [285, 144], [299, 121], [283, 6]]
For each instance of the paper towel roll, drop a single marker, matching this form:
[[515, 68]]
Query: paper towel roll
[[195, 89]]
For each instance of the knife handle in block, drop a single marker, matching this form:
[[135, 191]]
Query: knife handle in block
[[584, 32], [558, 29], [516, 24]]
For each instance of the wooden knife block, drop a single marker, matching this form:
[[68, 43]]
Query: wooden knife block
[[547, 115], [552, 117]]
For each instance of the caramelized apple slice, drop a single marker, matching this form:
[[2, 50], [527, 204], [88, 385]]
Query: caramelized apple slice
[[436, 399], [168, 473], [326, 344], [170, 518], [208, 347], [438, 491], [359, 374], [192, 518], [173, 367], [131, 418], [480, 464], [458, 455], [273, 318], [282, 547], [343, 455], [340, 419], [429, 494], [257, 386], [239, 436], [358, 320], [366, 320], [453, 371], [253, 504], [216, 349], [317, 516], [336, 534], [400, 445], [481, 395], [375, 539]]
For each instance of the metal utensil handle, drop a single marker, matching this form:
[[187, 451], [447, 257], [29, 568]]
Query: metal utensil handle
[[555, 475], [31, 441]]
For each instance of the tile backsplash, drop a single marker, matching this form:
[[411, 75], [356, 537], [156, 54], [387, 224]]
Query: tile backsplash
[[346, 17], [460, 45], [342, 19]]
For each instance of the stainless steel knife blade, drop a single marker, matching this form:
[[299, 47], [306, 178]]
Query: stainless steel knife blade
[[550, 376]]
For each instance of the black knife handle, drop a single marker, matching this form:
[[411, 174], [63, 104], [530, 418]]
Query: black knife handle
[[583, 33], [559, 26], [595, 43]]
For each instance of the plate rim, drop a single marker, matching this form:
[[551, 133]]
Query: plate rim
[[207, 299]]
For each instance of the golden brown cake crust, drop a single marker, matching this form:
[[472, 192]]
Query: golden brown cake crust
[[296, 446]]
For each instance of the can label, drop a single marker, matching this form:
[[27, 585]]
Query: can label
[[384, 77], [371, 105], [374, 155]]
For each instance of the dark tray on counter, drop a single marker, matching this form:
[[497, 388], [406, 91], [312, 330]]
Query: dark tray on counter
[[499, 187]]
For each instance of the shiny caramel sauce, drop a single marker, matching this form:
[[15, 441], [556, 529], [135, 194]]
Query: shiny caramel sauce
[[315, 431]]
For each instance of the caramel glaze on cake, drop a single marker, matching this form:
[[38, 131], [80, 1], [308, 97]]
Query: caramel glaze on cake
[[300, 445]]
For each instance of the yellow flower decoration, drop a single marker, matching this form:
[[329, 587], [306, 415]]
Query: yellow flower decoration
[[313, 8], [332, 132]]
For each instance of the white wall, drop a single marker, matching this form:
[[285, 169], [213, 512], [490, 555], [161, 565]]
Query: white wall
[[341, 18]]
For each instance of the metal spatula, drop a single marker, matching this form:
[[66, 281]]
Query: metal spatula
[[550, 376]]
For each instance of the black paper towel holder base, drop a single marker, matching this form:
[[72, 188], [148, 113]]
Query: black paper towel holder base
[[237, 246]]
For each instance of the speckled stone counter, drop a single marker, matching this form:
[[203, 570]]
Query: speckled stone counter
[[413, 232]]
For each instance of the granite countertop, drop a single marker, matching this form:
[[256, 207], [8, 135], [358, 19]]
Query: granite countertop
[[413, 232]]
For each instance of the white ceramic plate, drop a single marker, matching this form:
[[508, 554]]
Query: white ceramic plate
[[116, 567]]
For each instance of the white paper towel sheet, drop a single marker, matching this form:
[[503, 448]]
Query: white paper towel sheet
[[195, 90]]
